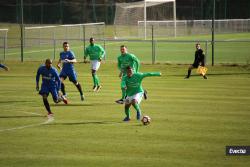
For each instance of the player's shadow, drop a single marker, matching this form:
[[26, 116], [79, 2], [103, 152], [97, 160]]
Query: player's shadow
[[85, 123], [21, 116], [71, 104], [82, 104], [13, 101]]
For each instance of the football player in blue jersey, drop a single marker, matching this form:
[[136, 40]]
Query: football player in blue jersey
[[4, 67], [50, 84], [66, 65]]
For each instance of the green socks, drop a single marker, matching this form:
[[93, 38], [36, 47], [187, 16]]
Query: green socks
[[96, 80], [127, 112], [137, 107]]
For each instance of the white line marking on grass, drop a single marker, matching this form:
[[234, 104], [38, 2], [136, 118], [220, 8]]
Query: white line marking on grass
[[26, 126], [32, 113], [23, 127]]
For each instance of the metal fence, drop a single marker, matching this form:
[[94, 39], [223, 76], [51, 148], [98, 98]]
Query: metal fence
[[47, 42], [3, 43], [193, 27], [148, 51]]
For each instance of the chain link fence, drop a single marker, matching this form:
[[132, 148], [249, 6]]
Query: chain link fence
[[148, 51]]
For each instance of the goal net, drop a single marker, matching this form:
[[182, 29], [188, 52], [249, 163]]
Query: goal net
[[127, 16], [3, 43], [48, 35]]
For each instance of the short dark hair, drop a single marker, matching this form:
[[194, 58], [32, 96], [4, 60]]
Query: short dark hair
[[123, 46], [48, 61], [91, 39], [64, 43]]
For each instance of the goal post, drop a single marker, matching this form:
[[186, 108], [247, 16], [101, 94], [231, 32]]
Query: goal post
[[158, 2], [64, 32], [127, 15], [49, 38]]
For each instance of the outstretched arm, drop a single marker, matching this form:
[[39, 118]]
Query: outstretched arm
[[70, 61], [150, 74]]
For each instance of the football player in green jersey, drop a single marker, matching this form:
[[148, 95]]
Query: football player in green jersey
[[96, 54], [124, 60], [132, 83]]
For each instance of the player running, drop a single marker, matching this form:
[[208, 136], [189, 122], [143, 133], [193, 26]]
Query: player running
[[124, 60], [199, 60], [95, 53], [67, 59], [50, 84], [132, 83], [4, 67]]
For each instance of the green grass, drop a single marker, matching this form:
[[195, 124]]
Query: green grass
[[192, 120]]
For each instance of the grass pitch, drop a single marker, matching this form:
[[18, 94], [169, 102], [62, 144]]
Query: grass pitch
[[192, 120]]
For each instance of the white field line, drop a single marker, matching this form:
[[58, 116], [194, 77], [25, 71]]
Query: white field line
[[25, 126], [32, 113], [45, 50], [22, 127]]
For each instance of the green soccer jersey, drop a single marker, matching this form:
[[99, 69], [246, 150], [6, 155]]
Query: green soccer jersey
[[95, 52], [125, 60], [134, 83]]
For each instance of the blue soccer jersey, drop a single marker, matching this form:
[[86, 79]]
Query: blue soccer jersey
[[67, 67], [50, 81]]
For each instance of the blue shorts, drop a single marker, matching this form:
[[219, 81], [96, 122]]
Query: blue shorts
[[46, 89], [72, 75]]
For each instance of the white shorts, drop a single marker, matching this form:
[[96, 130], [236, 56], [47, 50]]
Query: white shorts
[[138, 97], [95, 64]]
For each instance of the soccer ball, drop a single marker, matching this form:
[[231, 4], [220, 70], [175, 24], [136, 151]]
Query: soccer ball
[[145, 120]]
